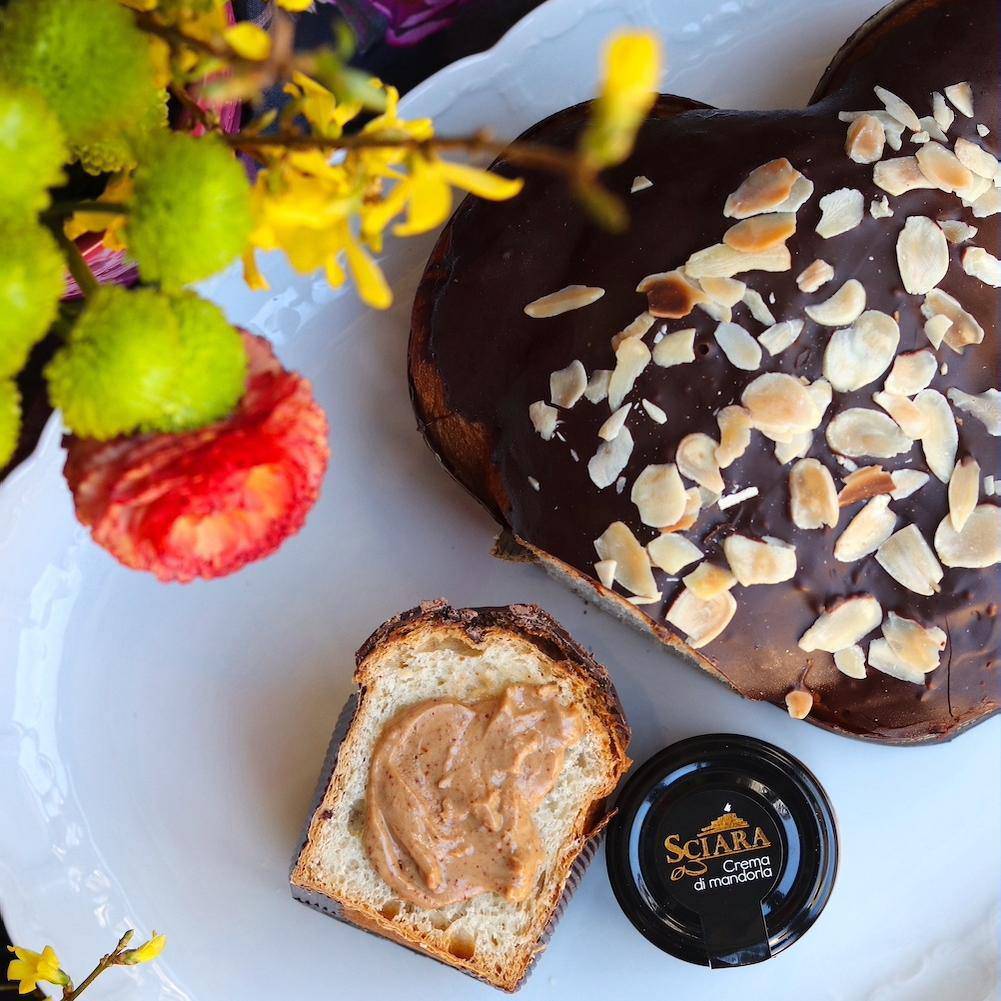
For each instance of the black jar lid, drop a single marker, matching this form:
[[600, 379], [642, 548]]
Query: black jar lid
[[723, 851]]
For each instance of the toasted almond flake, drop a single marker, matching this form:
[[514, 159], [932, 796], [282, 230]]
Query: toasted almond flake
[[731, 500], [961, 95], [605, 570], [941, 438], [780, 336], [734, 435], [879, 208], [776, 400], [799, 703], [597, 386], [978, 263], [640, 183], [654, 412], [631, 357], [987, 204], [672, 552], [911, 372], [707, 581], [865, 140], [534, 484], [920, 137], [762, 232], [659, 495], [632, 564], [725, 291], [899, 175], [544, 418], [693, 505], [908, 559], [696, 459], [976, 158], [758, 308], [842, 625], [986, 407], [912, 420], [615, 423], [859, 431], [861, 353], [653, 599], [893, 130], [899, 108], [982, 130], [636, 328], [670, 294], [936, 327], [956, 231], [763, 190], [850, 661], [907, 482], [813, 499], [740, 348], [814, 275], [620, 484], [842, 308], [867, 531], [931, 129], [964, 491], [715, 311], [989, 485], [942, 167], [922, 255], [846, 463], [676, 348], [796, 448], [861, 484], [977, 546], [883, 659], [841, 211], [701, 621], [802, 191], [964, 329], [759, 561], [567, 385], [919, 646], [566, 299], [944, 368], [605, 465], [721, 261], [941, 112]]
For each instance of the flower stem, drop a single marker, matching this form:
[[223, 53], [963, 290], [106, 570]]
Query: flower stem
[[112, 959], [78, 267]]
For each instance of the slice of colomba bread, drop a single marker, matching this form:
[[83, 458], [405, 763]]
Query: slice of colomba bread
[[436, 653]]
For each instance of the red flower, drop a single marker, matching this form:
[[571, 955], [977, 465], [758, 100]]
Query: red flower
[[205, 503]]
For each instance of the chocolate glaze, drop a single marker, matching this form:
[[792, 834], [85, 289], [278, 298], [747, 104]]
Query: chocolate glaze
[[492, 361]]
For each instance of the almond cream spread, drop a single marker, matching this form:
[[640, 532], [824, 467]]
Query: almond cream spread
[[452, 789]]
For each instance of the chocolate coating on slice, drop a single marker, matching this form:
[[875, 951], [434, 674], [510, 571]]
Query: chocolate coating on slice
[[477, 362]]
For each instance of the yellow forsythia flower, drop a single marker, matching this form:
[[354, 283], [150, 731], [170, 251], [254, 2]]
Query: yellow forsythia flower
[[32, 968], [294, 5], [119, 190], [319, 106], [147, 952], [248, 41]]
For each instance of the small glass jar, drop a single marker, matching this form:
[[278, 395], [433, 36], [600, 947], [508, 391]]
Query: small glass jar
[[724, 850]]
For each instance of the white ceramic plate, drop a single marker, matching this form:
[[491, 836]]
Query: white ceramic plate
[[159, 745]]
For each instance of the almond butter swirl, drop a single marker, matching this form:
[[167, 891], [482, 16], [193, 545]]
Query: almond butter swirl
[[452, 791]]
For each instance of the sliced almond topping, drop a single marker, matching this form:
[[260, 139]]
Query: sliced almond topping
[[859, 431], [670, 294], [861, 353], [940, 439], [941, 112], [982, 130], [672, 552], [544, 418], [631, 357], [632, 564], [757, 307], [843, 625], [936, 327], [986, 407], [701, 621], [763, 190], [899, 175], [734, 435], [567, 385], [797, 447], [964, 491], [721, 261], [659, 495], [780, 336], [976, 158], [571, 297], [707, 581], [614, 424], [693, 505], [942, 167], [640, 183], [932, 129], [840, 309], [869, 481], [911, 373], [961, 95], [677, 348], [867, 531], [597, 386], [883, 659], [908, 559], [802, 190], [978, 263], [899, 108], [731, 500], [740, 348], [696, 459], [799, 703], [850, 661], [907, 482], [717, 312], [912, 420], [655, 413], [866, 139], [879, 208], [916, 645], [841, 211], [605, 569], [725, 291], [776, 400], [978, 545], [637, 328], [813, 499], [922, 255], [987, 204], [761, 232], [605, 465], [760, 561], [814, 275]]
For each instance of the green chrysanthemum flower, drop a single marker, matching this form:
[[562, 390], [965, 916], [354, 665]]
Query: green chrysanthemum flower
[[10, 420], [32, 151], [31, 284], [89, 61], [190, 215]]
